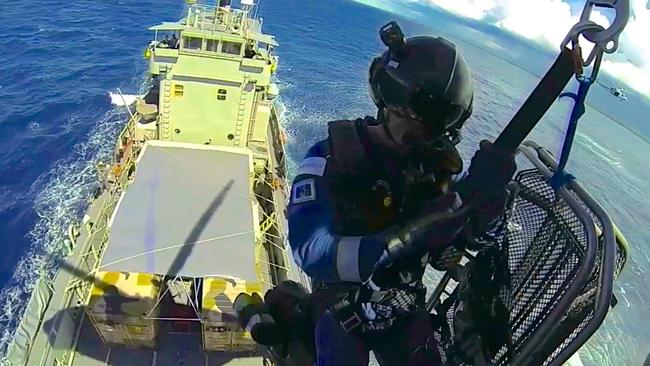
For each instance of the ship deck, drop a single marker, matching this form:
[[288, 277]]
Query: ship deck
[[173, 349], [162, 226], [58, 336]]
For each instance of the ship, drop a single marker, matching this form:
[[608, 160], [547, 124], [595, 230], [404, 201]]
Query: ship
[[188, 214]]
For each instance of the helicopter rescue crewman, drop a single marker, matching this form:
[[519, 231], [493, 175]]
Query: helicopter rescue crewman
[[372, 204]]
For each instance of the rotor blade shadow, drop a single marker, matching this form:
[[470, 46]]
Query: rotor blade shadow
[[179, 260], [197, 230], [82, 275]]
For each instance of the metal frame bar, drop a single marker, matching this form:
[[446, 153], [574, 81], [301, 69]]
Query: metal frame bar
[[606, 276], [544, 163], [541, 334]]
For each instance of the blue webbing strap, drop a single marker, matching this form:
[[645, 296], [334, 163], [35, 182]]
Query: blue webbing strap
[[560, 178]]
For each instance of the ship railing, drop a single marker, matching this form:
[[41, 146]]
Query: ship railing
[[266, 261], [262, 270], [271, 226], [95, 243], [213, 18], [133, 119], [128, 132]]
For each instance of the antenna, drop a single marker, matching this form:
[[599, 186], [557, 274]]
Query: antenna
[[258, 10]]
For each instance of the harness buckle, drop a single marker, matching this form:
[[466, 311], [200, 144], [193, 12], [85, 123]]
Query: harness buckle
[[352, 323]]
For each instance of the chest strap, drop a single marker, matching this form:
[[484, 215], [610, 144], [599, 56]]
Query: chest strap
[[352, 149]]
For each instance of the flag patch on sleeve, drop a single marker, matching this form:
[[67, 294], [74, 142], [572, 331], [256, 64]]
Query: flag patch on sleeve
[[304, 191]]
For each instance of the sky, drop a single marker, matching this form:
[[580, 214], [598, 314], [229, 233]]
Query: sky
[[548, 21], [508, 29]]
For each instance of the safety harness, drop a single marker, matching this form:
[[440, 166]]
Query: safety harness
[[360, 179], [366, 202], [365, 179]]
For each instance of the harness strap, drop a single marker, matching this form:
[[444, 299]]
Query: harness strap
[[538, 102], [348, 311], [361, 126], [534, 108]]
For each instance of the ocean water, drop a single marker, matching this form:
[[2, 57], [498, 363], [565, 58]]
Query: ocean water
[[59, 62]]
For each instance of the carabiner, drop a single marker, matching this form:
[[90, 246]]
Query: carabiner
[[603, 38], [573, 36]]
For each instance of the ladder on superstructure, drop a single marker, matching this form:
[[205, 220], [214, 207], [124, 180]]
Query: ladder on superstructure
[[165, 123], [241, 110]]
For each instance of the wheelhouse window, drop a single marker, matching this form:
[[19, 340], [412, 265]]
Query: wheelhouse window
[[167, 40], [231, 48], [192, 43], [212, 45]]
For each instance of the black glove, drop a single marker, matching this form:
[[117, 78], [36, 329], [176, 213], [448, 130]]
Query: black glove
[[434, 229], [483, 190], [254, 316], [491, 170]]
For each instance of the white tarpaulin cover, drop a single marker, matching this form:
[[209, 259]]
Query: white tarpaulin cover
[[189, 212]]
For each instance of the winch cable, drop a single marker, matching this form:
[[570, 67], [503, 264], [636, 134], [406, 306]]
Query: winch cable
[[538, 102]]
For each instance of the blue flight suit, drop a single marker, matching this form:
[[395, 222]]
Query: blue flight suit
[[329, 257], [318, 250]]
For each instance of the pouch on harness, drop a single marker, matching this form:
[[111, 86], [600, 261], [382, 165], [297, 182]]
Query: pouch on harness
[[370, 192]]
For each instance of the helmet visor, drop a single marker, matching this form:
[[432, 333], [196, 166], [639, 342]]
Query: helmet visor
[[437, 114], [434, 111]]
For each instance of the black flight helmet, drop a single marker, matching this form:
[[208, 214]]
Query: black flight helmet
[[424, 78]]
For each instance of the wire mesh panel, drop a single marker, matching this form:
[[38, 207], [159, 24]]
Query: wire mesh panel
[[541, 271], [545, 241]]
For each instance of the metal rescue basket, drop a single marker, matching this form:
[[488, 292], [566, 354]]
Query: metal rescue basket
[[559, 253]]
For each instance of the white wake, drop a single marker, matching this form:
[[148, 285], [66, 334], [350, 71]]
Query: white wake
[[123, 99], [61, 198]]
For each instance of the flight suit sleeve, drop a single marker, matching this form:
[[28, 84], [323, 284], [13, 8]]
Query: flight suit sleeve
[[316, 248]]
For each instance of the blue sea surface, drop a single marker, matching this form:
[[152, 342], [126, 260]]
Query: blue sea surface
[[60, 60]]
